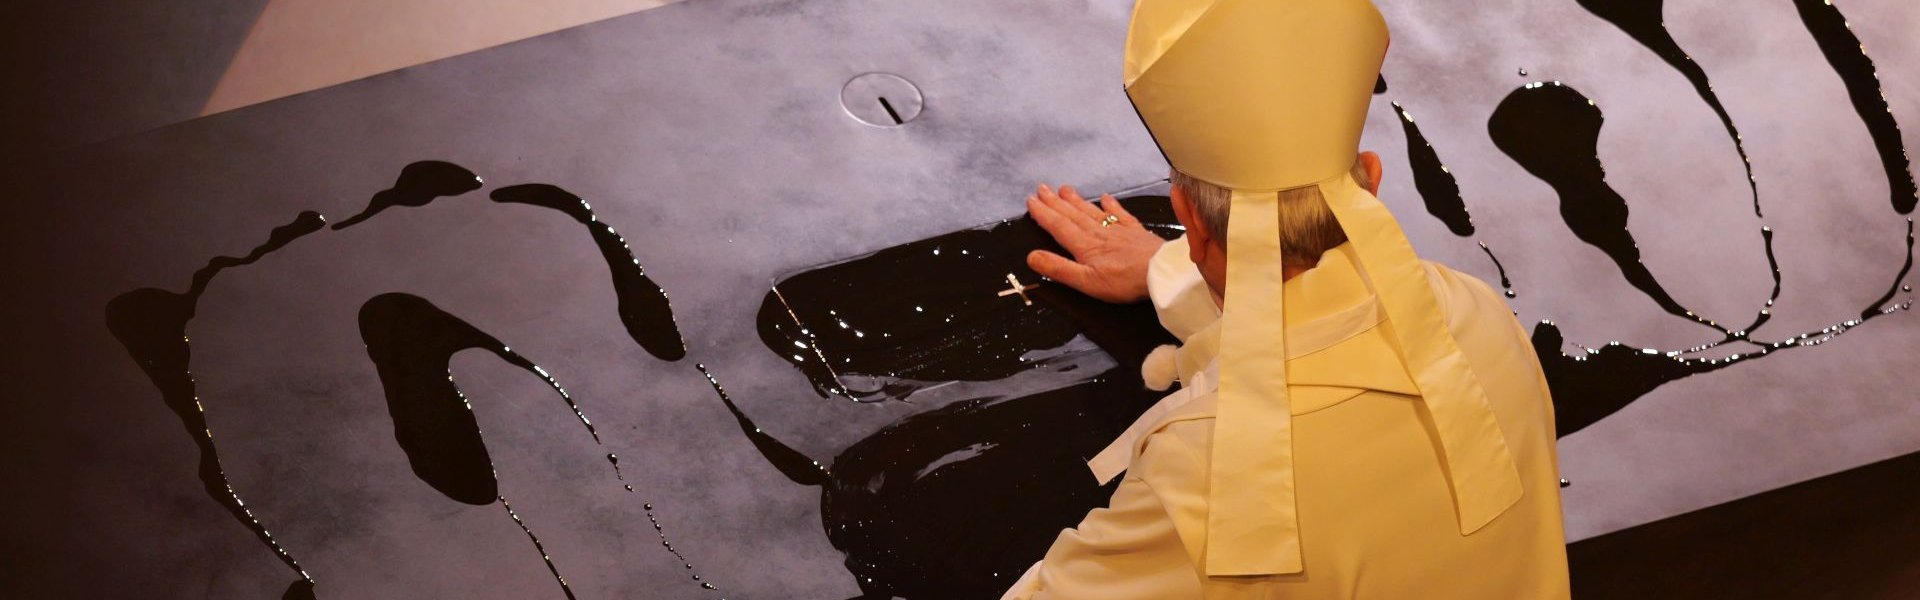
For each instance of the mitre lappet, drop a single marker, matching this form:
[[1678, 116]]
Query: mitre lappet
[[1260, 96]]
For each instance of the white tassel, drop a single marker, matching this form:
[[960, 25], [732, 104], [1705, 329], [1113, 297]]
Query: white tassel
[[1159, 370]]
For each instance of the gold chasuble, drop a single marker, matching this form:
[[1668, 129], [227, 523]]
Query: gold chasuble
[[1377, 427]]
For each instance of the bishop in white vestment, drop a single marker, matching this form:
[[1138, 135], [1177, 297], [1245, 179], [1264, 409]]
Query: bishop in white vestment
[[1370, 426]]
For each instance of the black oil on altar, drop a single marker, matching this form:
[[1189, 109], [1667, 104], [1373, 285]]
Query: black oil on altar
[[1020, 379], [411, 343], [956, 501]]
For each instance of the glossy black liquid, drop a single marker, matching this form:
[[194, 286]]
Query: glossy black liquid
[[878, 327], [419, 184], [1440, 191], [1643, 21], [659, 530], [542, 548], [151, 324], [956, 502], [1879, 305], [1773, 267], [791, 463], [1600, 382], [411, 343], [1436, 185], [1505, 283], [1849, 58], [643, 305], [1553, 131], [1590, 386]]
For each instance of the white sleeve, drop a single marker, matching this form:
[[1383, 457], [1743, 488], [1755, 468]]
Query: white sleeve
[[1179, 294]]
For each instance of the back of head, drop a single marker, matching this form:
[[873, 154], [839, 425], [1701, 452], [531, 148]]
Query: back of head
[[1308, 228]]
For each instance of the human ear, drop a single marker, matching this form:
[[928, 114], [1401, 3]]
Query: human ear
[[1370, 161], [1197, 238]]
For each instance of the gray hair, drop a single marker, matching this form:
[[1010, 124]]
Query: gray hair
[[1307, 226]]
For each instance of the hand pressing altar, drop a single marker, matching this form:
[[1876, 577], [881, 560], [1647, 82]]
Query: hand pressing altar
[[1110, 247]]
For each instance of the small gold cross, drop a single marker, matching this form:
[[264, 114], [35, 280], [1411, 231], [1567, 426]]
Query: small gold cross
[[1018, 289]]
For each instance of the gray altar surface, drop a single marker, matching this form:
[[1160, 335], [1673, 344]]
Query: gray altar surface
[[712, 135]]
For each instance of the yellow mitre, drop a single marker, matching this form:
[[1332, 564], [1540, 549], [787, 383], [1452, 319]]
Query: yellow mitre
[[1259, 96]]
